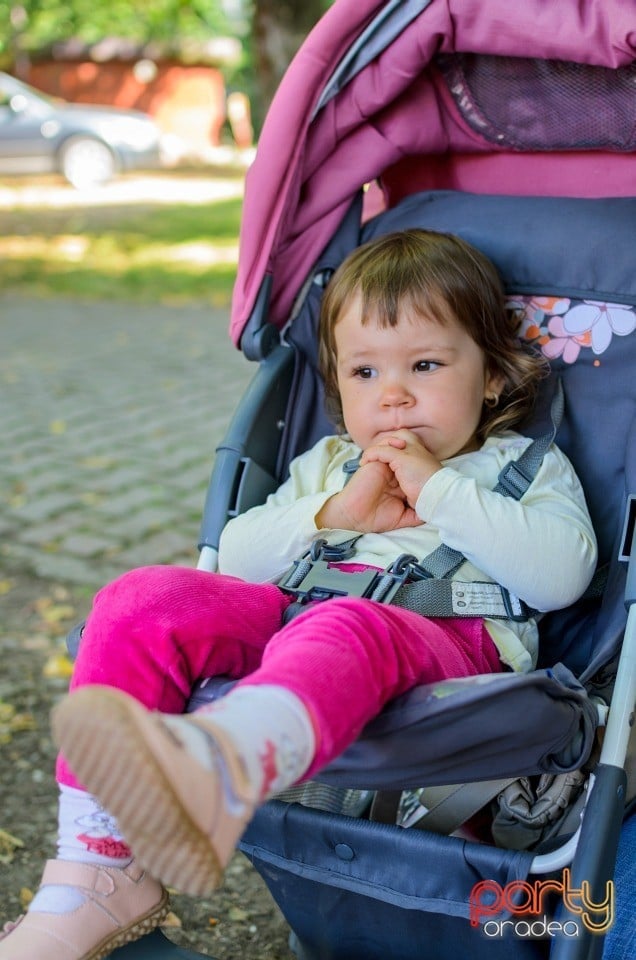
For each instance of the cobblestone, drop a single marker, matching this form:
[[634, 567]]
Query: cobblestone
[[106, 412], [110, 418]]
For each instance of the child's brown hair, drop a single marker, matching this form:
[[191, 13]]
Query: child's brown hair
[[439, 276]]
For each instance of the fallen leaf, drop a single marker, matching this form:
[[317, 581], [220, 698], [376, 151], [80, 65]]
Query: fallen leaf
[[58, 667], [13, 722], [54, 613], [237, 914], [26, 896], [8, 845], [171, 920]]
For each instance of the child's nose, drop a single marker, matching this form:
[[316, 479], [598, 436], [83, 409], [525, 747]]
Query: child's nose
[[396, 395]]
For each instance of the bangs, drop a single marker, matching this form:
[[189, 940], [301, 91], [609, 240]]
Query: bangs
[[383, 305]]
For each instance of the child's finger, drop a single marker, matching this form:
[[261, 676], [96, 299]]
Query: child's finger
[[382, 451]]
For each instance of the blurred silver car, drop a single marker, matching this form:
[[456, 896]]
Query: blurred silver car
[[89, 145]]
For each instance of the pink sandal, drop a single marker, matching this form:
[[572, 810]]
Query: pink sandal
[[120, 905], [181, 820]]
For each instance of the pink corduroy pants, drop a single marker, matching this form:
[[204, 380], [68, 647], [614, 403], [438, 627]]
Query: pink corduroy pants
[[157, 630]]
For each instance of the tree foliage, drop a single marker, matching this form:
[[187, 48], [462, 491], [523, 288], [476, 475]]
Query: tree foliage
[[27, 26], [271, 31]]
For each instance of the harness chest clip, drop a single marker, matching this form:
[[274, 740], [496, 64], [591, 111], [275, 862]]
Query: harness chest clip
[[313, 577], [318, 580]]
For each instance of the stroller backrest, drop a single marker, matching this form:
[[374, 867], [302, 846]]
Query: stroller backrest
[[567, 268]]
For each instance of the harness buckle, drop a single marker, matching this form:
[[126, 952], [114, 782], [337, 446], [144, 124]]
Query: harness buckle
[[321, 581], [323, 550], [394, 577], [513, 481]]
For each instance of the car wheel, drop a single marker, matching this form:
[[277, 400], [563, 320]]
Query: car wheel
[[87, 162]]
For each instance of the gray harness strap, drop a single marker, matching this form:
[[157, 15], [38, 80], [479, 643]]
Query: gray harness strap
[[513, 481], [438, 809], [455, 598]]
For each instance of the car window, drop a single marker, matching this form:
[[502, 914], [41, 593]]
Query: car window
[[19, 98]]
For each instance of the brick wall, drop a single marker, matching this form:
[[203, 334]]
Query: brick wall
[[186, 101]]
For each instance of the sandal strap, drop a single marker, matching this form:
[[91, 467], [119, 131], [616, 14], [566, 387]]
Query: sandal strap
[[86, 876]]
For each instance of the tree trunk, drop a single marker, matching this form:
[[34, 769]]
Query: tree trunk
[[278, 29]]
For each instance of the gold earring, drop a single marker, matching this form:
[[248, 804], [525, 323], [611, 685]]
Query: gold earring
[[492, 400]]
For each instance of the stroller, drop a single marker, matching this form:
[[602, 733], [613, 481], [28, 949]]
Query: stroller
[[513, 126]]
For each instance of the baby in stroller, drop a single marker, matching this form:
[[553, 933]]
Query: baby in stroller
[[427, 381]]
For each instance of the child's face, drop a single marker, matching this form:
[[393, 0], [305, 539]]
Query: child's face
[[420, 375]]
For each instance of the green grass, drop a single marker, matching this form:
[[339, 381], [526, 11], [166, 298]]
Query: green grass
[[148, 252]]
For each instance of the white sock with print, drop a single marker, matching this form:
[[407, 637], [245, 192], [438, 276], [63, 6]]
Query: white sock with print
[[272, 731], [87, 834]]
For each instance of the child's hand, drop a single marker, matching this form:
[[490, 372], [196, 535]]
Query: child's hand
[[408, 459], [371, 502]]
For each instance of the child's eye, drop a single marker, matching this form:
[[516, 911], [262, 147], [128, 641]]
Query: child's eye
[[364, 373], [425, 366]]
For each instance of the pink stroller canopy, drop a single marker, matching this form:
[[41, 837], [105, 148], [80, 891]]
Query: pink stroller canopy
[[338, 122]]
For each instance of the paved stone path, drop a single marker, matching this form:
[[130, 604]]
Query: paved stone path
[[109, 417]]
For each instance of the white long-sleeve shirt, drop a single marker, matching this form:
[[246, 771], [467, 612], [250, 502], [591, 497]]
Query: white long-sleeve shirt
[[541, 548]]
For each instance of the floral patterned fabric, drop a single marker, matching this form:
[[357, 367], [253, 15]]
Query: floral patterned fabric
[[562, 327]]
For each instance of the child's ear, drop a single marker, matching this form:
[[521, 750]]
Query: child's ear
[[495, 383]]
